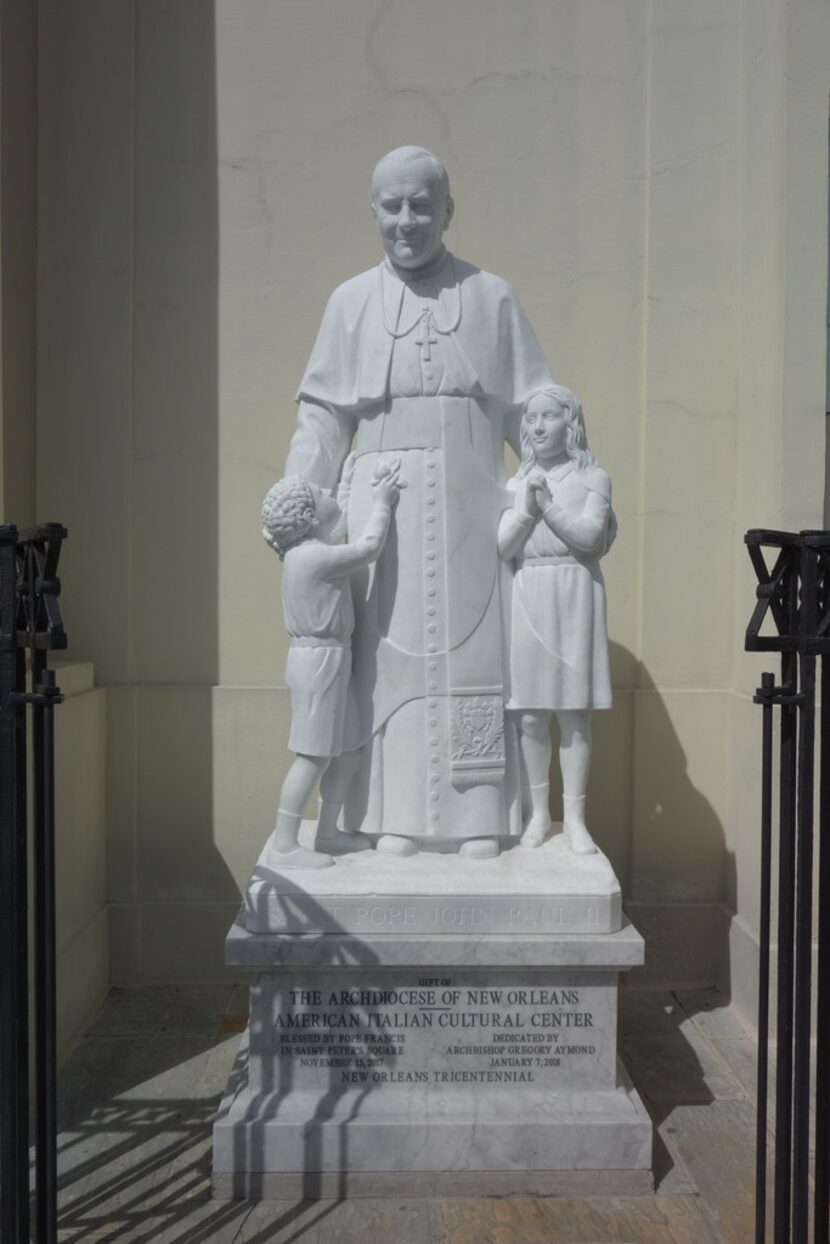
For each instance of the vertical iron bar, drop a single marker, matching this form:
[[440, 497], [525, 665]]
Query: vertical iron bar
[[822, 1147], [804, 900], [38, 890], [767, 684], [51, 1083], [30, 623], [786, 916], [21, 882], [13, 1185], [45, 942]]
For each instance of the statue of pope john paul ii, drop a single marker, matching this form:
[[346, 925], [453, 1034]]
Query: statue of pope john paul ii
[[430, 359]]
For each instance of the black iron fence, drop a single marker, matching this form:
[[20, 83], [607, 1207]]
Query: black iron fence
[[30, 627], [793, 593]]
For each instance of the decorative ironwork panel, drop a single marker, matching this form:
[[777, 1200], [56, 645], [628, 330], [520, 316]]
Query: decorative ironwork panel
[[30, 627], [793, 596]]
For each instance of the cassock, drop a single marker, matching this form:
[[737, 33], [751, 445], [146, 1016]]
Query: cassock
[[433, 368]]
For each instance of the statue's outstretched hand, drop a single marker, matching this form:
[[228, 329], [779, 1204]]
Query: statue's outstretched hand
[[387, 482]]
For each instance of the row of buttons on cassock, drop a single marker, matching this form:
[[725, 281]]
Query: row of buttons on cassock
[[432, 626]]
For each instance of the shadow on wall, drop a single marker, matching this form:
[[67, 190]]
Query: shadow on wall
[[660, 831], [176, 402]]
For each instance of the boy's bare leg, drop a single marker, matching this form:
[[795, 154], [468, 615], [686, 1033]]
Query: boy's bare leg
[[284, 849], [334, 786]]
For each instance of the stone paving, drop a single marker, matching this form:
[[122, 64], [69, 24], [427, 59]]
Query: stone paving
[[138, 1097]]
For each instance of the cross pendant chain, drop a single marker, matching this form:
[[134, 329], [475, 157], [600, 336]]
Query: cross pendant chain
[[426, 339]]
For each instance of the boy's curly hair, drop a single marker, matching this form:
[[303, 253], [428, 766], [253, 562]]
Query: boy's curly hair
[[285, 513]]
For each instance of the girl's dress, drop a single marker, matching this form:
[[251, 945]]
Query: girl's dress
[[559, 631]]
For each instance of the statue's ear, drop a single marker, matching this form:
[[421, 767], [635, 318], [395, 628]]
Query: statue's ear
[[450, 211]]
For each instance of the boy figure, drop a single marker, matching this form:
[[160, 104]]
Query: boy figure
[[303, 523]]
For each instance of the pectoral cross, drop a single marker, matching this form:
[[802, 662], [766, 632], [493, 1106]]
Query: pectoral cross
[[426, 340]]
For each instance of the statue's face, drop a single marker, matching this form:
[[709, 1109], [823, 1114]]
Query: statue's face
[[327, 512], [546, 426], [412, 210]]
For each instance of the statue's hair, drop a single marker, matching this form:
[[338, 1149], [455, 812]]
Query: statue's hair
[[288, 513], [576, 438], [408, 155]]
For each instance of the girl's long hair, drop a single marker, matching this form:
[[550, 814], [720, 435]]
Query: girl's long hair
[[576, 439]]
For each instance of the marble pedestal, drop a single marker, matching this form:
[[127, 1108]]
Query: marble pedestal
[[548, 890], [475, 1053]]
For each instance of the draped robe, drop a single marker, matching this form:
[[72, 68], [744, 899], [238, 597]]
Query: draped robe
[[432, 367]]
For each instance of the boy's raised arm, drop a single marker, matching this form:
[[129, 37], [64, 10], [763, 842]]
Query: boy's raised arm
[[346, 558]]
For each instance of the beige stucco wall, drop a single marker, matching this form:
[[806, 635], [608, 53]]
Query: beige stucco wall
[[651, 177], [782, 371]]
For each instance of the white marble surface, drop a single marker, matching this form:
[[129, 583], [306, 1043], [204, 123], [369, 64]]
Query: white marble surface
[[601, 951], [468, 1128], [395, 1030], [445, 1052], [521, 891], [429, 359]]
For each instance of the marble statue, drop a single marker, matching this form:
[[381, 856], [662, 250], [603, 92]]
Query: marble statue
[[303, 524], [560, 525], [432, 359], [439, 615]]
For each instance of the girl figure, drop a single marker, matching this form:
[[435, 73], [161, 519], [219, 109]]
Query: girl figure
[[560, 525]]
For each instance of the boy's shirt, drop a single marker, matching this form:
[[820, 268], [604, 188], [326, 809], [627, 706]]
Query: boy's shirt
[[316, 595]]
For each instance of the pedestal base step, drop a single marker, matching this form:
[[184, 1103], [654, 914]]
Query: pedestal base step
[[402, 1140], [336, 1185]]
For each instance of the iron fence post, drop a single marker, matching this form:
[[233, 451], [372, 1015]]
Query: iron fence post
[[30, 626], [804, 896], [786, 932], [46, 1174], [764, 696], [822, 1140], [14, 1103], [795, 595]]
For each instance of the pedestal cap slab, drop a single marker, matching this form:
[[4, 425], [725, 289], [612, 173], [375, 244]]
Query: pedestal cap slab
[[546, 890], [258, 952]]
